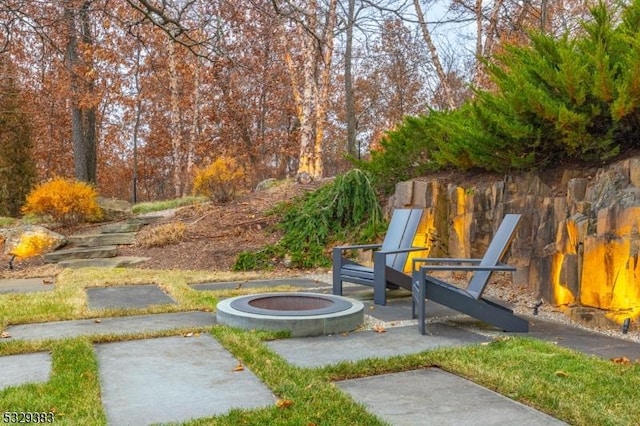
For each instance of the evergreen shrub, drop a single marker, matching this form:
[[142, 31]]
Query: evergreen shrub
[[64, 200], [404, 152], [346, 209], [569, 98]]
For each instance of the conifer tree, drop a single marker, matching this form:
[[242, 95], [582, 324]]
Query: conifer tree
[[568, 98], [576, 97], [17, 169]]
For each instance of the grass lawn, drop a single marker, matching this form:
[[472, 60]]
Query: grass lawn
[[578, 389]]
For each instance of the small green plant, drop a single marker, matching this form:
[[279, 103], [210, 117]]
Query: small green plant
[[346, 209], [221, 180], [64, 200], [155, 206], [7, 221]]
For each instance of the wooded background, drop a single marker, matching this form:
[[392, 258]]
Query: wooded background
[[135, 95]]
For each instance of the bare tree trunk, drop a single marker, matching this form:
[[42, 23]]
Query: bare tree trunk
[[195, 122], [311, 101], [479, 26], [485, 40], [136, 129], [322, 100], [350, 104], [306, 160], [83, 114], [426, 35], [176, 134]]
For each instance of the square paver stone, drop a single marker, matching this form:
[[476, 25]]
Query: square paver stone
[[324, 350], [293, 282], [435, 397], [24, 285], [16, 370], [128, 296], [174, 379]]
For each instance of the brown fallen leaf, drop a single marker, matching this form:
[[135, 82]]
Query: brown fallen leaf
[[239, 367], [561, 373], [621, 360], [284, 403], [379, 329], [4, 335]]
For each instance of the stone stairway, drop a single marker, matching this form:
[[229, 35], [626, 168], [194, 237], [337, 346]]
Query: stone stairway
[[100, 249]]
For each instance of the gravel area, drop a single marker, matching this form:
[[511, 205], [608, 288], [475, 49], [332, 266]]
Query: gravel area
[[521, 300]]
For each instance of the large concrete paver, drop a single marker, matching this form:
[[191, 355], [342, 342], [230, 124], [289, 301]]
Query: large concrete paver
[[324, 350], [174, 379], [126, 296], [16, 370], [434, 397], [115, 325], [294, 282], [581, 340], [25, 285]]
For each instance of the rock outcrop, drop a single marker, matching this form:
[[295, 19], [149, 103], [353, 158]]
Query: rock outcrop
[[577, 245], [29, 240]]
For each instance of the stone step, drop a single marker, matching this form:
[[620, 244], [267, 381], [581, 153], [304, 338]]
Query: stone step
[[145, 219], [109, 262], [120, 227], [98, 240], [80, 253]]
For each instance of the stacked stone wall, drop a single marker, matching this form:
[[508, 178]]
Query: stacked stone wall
[[577, 244]]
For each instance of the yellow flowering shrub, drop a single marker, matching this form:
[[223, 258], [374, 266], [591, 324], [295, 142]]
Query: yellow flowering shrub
[[221, 180], [64, 200]]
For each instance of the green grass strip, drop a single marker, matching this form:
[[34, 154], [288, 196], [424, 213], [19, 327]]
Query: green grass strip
[[73, 392]]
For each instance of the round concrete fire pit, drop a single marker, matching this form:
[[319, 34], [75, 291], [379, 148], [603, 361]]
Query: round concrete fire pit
[[303, 314]]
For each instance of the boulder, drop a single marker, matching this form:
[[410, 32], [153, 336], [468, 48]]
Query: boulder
[[266, 184], [30, 240], [114, 209]]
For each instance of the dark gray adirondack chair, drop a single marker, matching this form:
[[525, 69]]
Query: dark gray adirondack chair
[[388, 261], [469, 300]]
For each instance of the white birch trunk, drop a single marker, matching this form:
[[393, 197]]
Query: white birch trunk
[[435, 59]]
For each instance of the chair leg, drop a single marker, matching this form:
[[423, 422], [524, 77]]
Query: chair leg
[[418, 300], [337, 266], [379, 279]]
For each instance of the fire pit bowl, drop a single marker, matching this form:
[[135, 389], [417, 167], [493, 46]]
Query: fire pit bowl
[[303, 314]]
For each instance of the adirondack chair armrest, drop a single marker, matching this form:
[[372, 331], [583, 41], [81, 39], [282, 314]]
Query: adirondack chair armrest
[[504, 268], [401, 250], [447, 260], [354, 247]]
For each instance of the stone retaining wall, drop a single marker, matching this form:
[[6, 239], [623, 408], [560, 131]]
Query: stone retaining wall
[[578, 242]]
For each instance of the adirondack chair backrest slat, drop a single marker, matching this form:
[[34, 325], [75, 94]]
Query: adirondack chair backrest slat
[[494, 254], [400, 234]]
